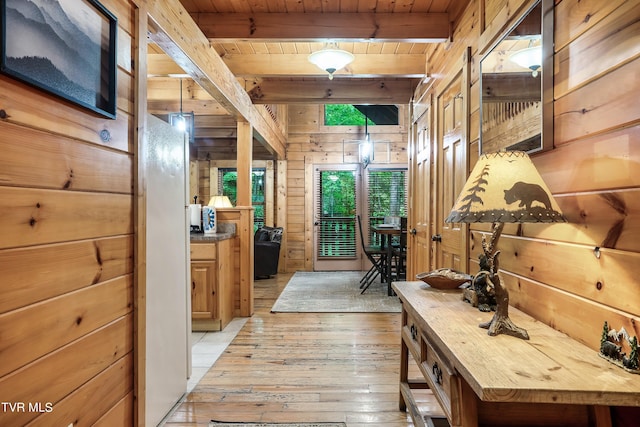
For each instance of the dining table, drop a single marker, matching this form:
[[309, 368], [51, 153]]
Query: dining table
[[386, 232]]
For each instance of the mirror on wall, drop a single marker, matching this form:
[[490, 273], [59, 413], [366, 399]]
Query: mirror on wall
[[516, 80]]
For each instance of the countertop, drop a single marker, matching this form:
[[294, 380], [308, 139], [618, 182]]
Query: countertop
[[205, 238], [225, 231]]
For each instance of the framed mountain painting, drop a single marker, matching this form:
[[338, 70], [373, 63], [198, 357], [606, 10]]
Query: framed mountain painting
[[64, 47]]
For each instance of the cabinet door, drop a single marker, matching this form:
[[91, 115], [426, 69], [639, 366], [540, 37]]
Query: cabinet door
[[203, 289]]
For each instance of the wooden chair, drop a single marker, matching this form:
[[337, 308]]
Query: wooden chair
[[377, 256]]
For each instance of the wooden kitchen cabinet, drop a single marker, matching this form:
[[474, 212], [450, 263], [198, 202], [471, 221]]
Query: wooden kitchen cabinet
[[211, 285]]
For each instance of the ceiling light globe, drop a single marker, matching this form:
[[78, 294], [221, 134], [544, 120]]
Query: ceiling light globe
[[331, 59]]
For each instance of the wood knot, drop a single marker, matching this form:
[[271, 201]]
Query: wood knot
[[599, 286], [3, 114], [78, 320], [32, 221]]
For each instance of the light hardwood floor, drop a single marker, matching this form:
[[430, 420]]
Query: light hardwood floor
[[314, 367]]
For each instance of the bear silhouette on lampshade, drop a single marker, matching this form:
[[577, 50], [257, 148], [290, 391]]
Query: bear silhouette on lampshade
[[503, 187]]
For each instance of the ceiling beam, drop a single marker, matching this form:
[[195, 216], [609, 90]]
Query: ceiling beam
[[215, 133], [364, 65], [511, 87], [275, 65], [400, 27], [336, 91], [178, 36]]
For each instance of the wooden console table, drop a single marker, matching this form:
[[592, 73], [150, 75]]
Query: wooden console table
[[480, 380]]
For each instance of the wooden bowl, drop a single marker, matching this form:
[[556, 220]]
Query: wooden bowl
[[444, 278]]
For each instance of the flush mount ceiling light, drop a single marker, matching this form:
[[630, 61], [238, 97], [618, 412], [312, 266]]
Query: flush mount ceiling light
[[530, 58], [331, 59]]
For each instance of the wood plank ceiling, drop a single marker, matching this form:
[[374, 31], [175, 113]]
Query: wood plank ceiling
[[266, 43]]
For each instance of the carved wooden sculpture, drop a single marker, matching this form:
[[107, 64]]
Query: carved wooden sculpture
[[501, 323]]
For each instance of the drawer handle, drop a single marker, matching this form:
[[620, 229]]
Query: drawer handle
[[437, 372], [414, 332]]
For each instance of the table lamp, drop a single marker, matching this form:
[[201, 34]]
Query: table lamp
[[220, 202], [503, 187]]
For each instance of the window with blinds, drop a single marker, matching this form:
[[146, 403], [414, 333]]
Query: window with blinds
[[386, 195]]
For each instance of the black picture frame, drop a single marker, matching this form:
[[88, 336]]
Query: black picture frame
[[66, 48]]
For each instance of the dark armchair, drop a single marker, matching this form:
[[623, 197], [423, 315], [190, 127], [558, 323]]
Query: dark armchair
[[266, 251]]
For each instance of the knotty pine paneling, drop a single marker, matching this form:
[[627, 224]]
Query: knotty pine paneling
[[613, 40], [582, 272], [604, 161], [34, 216], [95, 397], [77, 313], [66, 248], [118, 415], [604, 219], [581, 319], [577, 16], [86, 262], [608, 103], [33, 109], [62, 163], [54, 376]]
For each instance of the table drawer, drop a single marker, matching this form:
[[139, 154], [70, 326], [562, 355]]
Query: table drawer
[[205, 251], [442, 380], [412, 335]]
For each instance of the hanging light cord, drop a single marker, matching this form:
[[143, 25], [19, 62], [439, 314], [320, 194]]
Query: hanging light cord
[[181, 115]]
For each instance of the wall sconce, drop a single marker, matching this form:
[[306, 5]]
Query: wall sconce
[[331, 59]]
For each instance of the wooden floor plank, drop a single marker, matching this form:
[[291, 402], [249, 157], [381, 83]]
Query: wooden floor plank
[[295, 367]]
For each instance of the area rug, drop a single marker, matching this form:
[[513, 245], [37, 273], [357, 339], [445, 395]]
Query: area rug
[[334, 292], [235, 424]]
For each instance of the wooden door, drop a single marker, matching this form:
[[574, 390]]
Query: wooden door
[[449, 242], [421, 201], [336, 203]]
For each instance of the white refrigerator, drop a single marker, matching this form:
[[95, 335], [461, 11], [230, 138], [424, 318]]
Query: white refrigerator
[[168, 320]]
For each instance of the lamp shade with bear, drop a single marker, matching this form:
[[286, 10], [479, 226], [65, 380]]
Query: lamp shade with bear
[[503, 187]]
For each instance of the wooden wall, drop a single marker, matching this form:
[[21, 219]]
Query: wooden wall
[[66, 253], [574, 276], [309, 143]]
